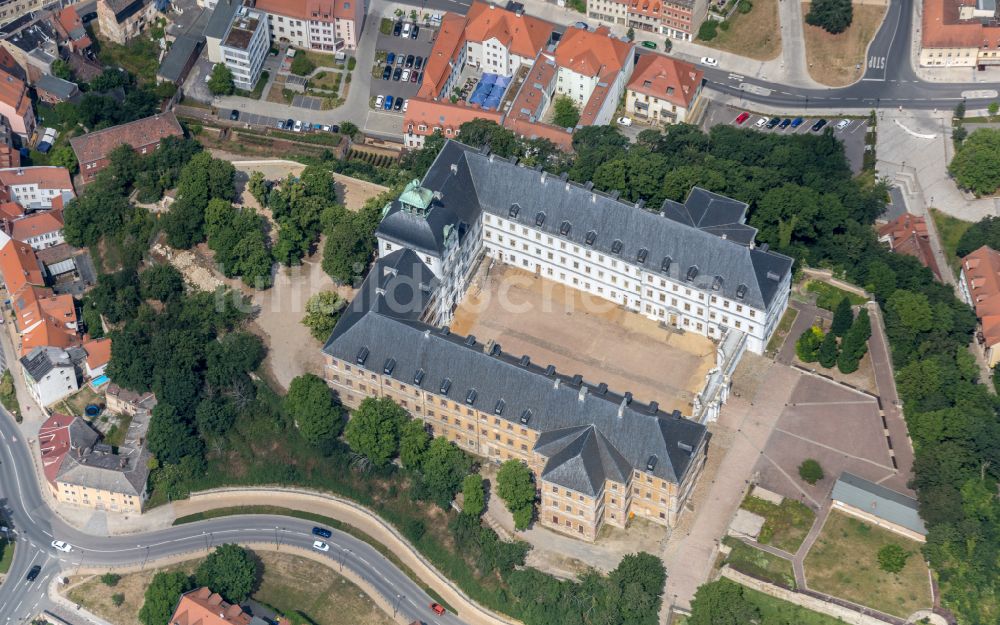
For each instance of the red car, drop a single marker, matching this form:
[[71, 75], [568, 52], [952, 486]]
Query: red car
[[742, 117], [437, 609]]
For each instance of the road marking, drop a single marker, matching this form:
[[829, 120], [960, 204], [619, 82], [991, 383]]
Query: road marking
[[876, 62]]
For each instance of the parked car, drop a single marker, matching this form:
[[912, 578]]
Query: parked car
[[413, 33], [396, 74], [63, 546], [784, 123], [397, 28], [234, 115], [319, 545], [649, 44], [405, 77], [289, 123], [415, 76], [398, 105], [797, 122], [390, 58], [298, 125], [844, 123], [388, 103], [774, 121], [418, 62], [624, 121], [333, 128], [387, 72], [437, 609], [400, 58], [325, 128], [818, 125], [280, 125], [406, 30], [760, 122], [405, 104], [409, 61], [35, 570], [742, 117], [711, 62], [379, 99], [581, 25], [322, 531]]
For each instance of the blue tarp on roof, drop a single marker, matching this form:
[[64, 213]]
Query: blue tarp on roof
[[489, 92]]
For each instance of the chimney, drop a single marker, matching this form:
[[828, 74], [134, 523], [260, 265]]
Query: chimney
[[454, 168], [582, 394], [555, 383], [621, 409]]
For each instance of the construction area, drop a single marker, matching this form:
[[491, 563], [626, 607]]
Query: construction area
[[584, 334]]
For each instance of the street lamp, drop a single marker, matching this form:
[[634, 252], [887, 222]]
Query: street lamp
[[395, 605]]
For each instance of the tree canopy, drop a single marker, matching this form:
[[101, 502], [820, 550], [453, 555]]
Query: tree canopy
[[220, 81], [976, 164], [373, 430], [161, 597], [311, 403], [231, 571], [516, 486], [833, 16]]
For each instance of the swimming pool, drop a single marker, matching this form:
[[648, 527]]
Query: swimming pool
[[99, 381]]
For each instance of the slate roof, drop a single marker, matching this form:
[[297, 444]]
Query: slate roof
[[41, 360], [174, 64], [62, 89], [222, 17], [879, 501]]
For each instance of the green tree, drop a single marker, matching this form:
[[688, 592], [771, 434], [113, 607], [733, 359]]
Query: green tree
[[976, 164], [910, 310], [312, 406], [892, 558], [110, 579], [161, 597], [171, 435], [443, 468], [322, 312], [566, 112], [161, 282], [373, 430], [230, 570], [833, 16], [301, 64], [117, 600], [215, 416], [221, 80], [349, 246], [630, 34], [516, 486], [473, 495], [827, 354], [993, 108], [708, 30], [258, 187], [722, 603], [808, 345], [348, 129], [61, 69], [63, 156], [413, 441], [843, 316], [810, 471]]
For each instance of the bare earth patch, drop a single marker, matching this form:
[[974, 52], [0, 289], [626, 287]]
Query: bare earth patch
[[834, 59], [90, 592], [755, 34]]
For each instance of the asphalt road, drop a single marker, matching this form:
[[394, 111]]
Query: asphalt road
[[36, 526]]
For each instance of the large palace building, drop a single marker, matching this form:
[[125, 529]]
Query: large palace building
[[599, 457]]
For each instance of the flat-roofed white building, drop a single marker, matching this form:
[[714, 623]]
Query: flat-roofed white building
[[245, 47]]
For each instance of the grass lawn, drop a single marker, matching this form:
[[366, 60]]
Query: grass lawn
[[843, 563], [9, 399], [116, 435], [6, 555], [760, 564], [294, 584], [950, 229], [76, 403], [755, 34], [774, 610], [828, 296], [96, 596], [833, 59], [325, 81], [258, 89], [778, 338], [786, 525]]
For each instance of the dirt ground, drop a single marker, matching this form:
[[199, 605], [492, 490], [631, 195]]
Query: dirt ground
[[582, 334], [839, 428], [756, 34], [90, 592], [833, 59]]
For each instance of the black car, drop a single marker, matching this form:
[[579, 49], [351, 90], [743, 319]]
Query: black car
[[334, 128], [418, 62], [398, 104], [234, 115], [396, 74], [33, 573], [413, 33], [409, 61], [784, 123], [387, 72], [773, 122], [322, 531], [398, 28], [818, 125], [289, 124]]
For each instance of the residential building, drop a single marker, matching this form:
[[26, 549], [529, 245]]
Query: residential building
[[878, 505], [663, 90], [959, 33], [678, 19], [979, 284], [121, 20], [53, 90], [36, 188], [49, 374], [599, 457], [70, 27], [83, 471], [19, 265], [144, 135], [32, 34], [123, 401], [98, 357], [39, 230], [11, 10], [907, 234], [9, 155], [593, 66], [204, 607], [218, 25], [245, 47], [15, 105], [181, 57], [44, 319], [321, 25]]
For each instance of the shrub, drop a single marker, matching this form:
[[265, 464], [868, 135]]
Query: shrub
[[827, 354], [351, 64], [807, 347], [110, 579], [744, 6], [810, 471], [892, 558], [709, 30], [833, 16], [117, 599], [724, 25]]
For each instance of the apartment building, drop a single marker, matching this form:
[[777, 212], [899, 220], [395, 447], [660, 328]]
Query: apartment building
[[678, 19], [245, 47], [11, 10], [39, 230], [49, 374], [593, 66], [599, 457], [15, 104], [321, 25], [663, 90], [959, 33], [143, 135], [121, 20], [36, 188], [979, 285]]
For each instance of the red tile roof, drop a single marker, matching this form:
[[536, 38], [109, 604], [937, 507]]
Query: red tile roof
[[907, 234], [522, 34], [11, 210], [94, 146], [667, 79], [442, 114], [45, 319], [14, 93], [98, 352], [46, 177], [36, 224], [982, 275], [19, 266], [204, 607], [592, 52], [942, 28], [531, 97], [438, 67], [54, 440]]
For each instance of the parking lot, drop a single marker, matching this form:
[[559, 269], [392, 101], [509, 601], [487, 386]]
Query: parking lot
[[852, 135], [253, 119], [400, 47]]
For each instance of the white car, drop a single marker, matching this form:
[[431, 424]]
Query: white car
[[407, 27], [379, 100], [326, 127], [62, 546], [406, 76], [624, 121], [319, 545], [298, 125], [406, 103], [761, 122], [707, 60], [844, 123]]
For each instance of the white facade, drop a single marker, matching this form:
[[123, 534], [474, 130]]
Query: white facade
[[54, 385], [46, 239], [245, 47], [493, 56]]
